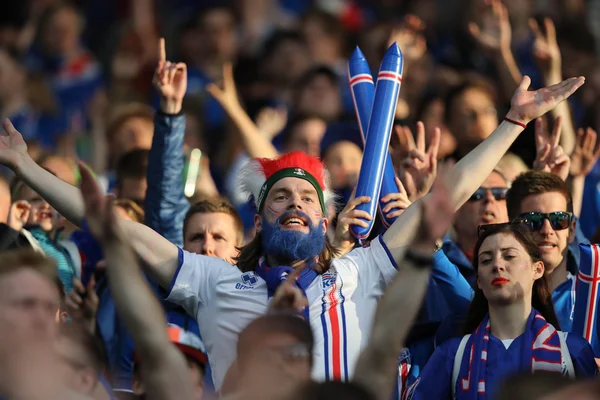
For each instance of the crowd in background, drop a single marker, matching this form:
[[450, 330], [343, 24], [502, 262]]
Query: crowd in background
[[116, 91]]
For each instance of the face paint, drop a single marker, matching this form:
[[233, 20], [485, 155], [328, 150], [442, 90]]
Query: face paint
[[290, 246]]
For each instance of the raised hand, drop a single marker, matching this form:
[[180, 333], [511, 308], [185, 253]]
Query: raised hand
[[437, 213], [170, 80], [82, 304], [394, 204], [550, 156], [270, 121], [410, 38], [343, 239], [19, 214], [586, 152], [526, 106], [494, 34], [545, 47], [99, 210], [418, 170], [227, 94], [12, 146]]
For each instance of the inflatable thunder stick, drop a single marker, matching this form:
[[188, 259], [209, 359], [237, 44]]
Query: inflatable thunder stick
[[362, 89], [378, 135]]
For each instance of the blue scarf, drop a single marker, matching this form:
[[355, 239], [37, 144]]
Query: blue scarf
[[544, 354], [275, 276]]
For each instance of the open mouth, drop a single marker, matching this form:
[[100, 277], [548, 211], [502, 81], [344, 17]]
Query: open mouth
[[293, 221], [488, 217], [45, 214], [546, 246]]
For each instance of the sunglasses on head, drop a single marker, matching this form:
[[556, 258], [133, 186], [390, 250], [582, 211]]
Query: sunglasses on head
[[559, 220], [499, 193]]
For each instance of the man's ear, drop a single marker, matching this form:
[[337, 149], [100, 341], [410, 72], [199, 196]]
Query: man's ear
[[325, 225], [572, 230], [257, 222]]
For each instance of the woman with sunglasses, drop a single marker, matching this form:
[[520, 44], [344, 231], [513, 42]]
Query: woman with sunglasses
[[511, 324]]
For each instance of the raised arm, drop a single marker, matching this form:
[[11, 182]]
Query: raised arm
[[165, 204], [377, 365], [255, 143], [468, 174], [62, 196], [164, 369]]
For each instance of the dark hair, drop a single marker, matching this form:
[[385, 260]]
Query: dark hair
[[215, 205], [319, 70], [525, 386], [531, 183], [249, 255], [124, 113], [275, 323], [294, 122], [457, 91], [333, 390], [278, 38], [91, 345], [541, 296], [133, 164], [16, 260], [331, 25], [195, 19]]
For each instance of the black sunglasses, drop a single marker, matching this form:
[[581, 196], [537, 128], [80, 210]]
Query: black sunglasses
[[559, 220], [499, 193]]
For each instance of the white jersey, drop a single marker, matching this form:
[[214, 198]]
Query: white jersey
[[342, 306]]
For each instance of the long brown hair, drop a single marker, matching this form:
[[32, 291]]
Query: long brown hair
[[541, 298], [249, 255]]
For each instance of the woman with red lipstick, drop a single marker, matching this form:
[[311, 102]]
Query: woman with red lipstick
[[511, 324]]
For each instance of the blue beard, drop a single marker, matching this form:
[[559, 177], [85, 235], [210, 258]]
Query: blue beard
[[288, 247]]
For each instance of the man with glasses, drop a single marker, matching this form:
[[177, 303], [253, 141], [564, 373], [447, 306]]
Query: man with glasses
[[486, 206], [543, 202]]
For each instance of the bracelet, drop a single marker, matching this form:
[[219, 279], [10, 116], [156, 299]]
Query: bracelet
[[418, 260], [512, 121]]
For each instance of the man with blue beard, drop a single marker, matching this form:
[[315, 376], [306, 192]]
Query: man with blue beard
[[293, 202]]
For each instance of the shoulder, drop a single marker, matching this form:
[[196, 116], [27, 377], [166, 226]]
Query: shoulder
[[577, 344]]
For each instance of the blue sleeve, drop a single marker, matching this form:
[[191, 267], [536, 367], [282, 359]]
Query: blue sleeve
[[436, 379], [454, 287], [165, 205], [582, 356]]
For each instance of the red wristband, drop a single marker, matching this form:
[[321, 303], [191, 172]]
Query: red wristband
[[512, 121]]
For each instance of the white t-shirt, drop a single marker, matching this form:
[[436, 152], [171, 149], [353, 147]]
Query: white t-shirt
[[342, 306]]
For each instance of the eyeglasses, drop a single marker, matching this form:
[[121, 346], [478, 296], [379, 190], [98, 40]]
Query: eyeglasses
[[499, 193], [559, 220]]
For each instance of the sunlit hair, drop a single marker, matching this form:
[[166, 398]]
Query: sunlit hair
[[541, 298], [132, 209], [16, 260]]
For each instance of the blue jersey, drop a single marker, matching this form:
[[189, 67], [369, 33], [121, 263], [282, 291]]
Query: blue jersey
[[436, 379]]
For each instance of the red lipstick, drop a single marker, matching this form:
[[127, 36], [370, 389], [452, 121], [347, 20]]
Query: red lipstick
[[499, 281]]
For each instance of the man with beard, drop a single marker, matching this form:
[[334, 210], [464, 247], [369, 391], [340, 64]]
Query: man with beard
[[291, 194]]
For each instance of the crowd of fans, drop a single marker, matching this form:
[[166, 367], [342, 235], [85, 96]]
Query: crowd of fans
[[177, 199]]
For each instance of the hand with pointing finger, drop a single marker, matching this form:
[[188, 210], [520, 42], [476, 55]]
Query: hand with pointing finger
[[170, 80], [550, 156], [289, 297]]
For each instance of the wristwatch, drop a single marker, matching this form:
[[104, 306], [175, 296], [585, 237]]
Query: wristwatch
[[419, 260]]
